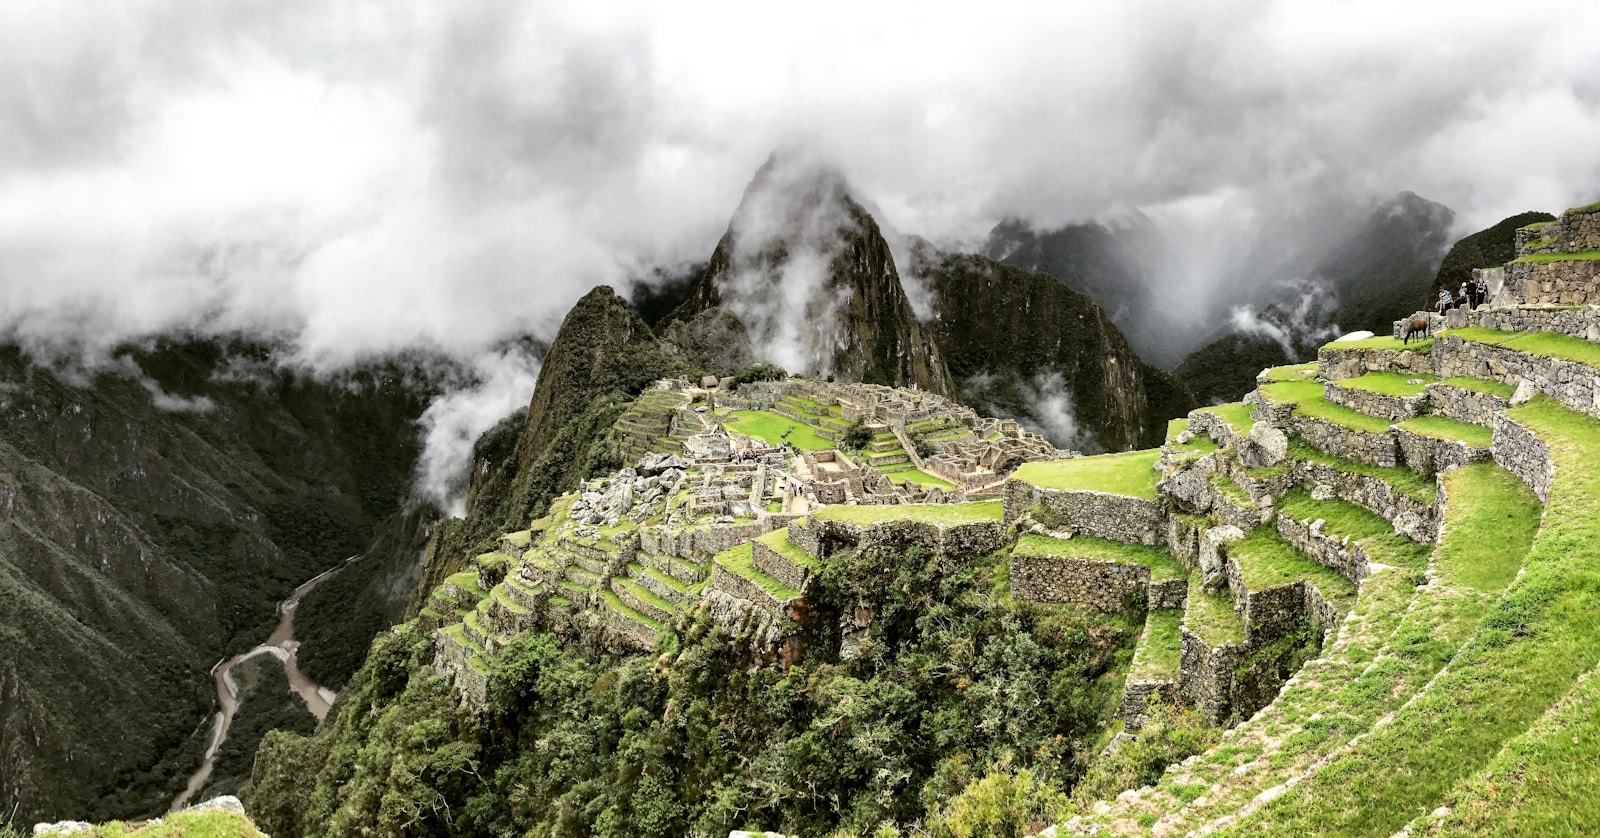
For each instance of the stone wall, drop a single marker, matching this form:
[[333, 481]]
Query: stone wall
[[624, 632], [1579, 323], [1172, 593], [1465, 405], [1338, 554], [1418, 520], [1334, 363], [1129, 520], [1350, 444], [1519, 450], [1276, 414], [741, 588], [1573, 384], [806, 537], [1393, 408], [1108, 586], [953, 540], [1568, 282], [1428, 455], [1183, 539], [1137, 697], [775, 565], [1207, 675]]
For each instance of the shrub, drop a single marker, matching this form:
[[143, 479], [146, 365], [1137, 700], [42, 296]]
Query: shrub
[[1170, 736], [1002, 804], [856, 437]]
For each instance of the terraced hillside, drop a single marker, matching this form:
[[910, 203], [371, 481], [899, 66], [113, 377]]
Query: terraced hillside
[[1452, 482]]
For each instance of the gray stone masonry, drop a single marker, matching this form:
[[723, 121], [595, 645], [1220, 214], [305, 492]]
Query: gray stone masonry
[[1206, 676], [1273, 612], [1276, 414], [1208, 424], [1518, 450], [1121, 518], [658, 587], [804, 536], [642, 605], [1138, 695], [953, 540], [1568, 282], [1381, 405], [628, 633], [1579, 323], [1183, 540], [1573, 384], [1428, 455], [1334, 363], [737, 586], [1173, 593], [1245, 516], [1465, 405], [1347, 443], [1109, 586], [1337, 553], [1571, 233], [1415, 519], [775, 565]]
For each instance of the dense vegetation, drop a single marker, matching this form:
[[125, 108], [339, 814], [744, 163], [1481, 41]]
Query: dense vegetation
[[1487, 248], [956, 688], [157, 510]]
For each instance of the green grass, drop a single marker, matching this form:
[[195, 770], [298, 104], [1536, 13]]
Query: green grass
[[1390, 383], [1382, 342], [741, 560], [616, 604], [1236, 414], [770, 427], [1525, 656], [1266, 560], [519, 539], [1292, 392], [1160, 649], [644, 593], [946, 514], [915, 475], [1321, 408], [1132, 473], [1546, 258], [190, 824], [1481, 385], [1235, 494], [1292, 372], [1548, 344], [467, 580], [1211, 616], [1586, 208], [1161, 563], [1494, 517], [1198, 445], [778, 542], [1441, 427], [1342, 517]]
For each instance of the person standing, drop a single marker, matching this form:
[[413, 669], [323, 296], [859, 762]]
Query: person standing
[[1471, 292], [1445, 300]]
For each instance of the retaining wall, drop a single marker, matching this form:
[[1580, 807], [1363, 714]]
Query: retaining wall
[[1109, 586], [1129, 520], [1393, 408], [1339, 554], [1347, 443], [1465, 405], [1518, 450], [1335, 363], [1428, 455], [1375, 496], [1573, 384]]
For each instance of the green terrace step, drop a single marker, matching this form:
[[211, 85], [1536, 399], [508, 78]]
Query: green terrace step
[[614, 603], [503, 598], [1389, 383], [1265, 560], [581, 577], [1481, 385], [1236, 415], [574, 592], [1418, 488], [1289, 372], [1210, 616], [740, 561], [1343, 519], [525, 595], [1132, 473], [640, 599], [1390, 396], [658, 583], [1160, 648], [1546, 344], [1439, 427], [1523, 656], [1163, 567]]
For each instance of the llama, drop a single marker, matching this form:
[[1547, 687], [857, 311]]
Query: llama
[[1419, 323]]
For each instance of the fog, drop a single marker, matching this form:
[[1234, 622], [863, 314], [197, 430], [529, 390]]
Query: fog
[[357, 178]]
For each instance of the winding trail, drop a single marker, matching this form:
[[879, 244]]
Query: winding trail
[[281, 645]]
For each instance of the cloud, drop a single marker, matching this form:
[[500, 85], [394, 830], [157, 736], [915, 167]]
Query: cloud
[[360, 176], [501, 382]]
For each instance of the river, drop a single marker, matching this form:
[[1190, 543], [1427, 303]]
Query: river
[[281, 645]]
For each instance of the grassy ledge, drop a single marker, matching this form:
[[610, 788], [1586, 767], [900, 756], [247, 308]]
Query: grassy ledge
[[1211, 616], [1419, 488], [1441, 427], [1198, 444], [1422, 347], [1132, 473], [1586, 208], [741, 560], [1161, 563], [1390, 383], [1546, 258], [1291, 372], [778, 542], [771, 427], [1526, 655], [1291, 392], [1161, 648], [1547, 344], [1265, 560], [1236, 414], [946, 514], [1355, 420], [1481, 385]]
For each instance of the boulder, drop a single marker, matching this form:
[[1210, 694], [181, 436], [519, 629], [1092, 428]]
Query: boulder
[[1213, 561], [1525, 393], [1191, 488], [1264, 447]]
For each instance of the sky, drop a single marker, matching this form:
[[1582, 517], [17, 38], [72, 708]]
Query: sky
[[360, 177]]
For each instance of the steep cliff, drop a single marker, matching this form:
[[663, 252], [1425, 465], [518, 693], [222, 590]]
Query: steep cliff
[[1022, 344], [152, 514], [805, 269]]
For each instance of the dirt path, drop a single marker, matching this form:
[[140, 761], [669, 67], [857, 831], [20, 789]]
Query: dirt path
[[281, 645]]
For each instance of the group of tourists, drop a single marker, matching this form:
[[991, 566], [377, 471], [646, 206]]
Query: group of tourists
[[1473, 294]]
